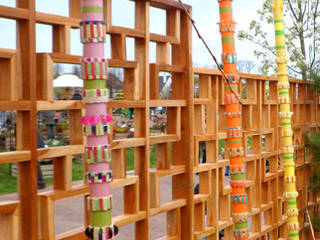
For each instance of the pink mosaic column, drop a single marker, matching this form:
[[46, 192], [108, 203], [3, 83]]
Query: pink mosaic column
[[96, 122]]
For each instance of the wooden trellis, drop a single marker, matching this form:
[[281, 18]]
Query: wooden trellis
[[26, 87]]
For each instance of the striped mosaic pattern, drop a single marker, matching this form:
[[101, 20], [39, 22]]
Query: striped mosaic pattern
[[96, 122], [285, 114], [233, 116]]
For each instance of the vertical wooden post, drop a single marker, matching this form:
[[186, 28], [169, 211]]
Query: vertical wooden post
[[141, 155], [182, 185], [27, 135]]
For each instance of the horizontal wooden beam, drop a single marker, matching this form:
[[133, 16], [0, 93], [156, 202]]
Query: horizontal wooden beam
[[168, 103], [13, 13], [53, 152], [15, 157], [52, 19], [59, 105], [8, 207], [15, 105], [127, 219], [179, 203]]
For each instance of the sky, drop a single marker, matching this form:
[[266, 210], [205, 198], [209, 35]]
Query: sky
[[205, 13]]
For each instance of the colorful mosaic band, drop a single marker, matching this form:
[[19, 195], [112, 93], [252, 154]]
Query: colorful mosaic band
[[288, 149], [229, 58], [292, 212], [96, 130], [293, 226], [98, 154], [234, 132], [283, 85], [97, 95], [286, 133], [240, 217], [236, 152], [285, 115], [281, 60], [290, 179], [102, 233], [242, 233], [93, 120], [239, 199], [92, 31], [96, 125], [233, 114], [94, 68], [284, 99], [235, 169], [233, 78], [99, 177], [227, 26], [290, 195], [99, 204]]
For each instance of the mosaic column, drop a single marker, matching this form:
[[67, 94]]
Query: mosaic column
[[96, 122], [285, 115], [233, 114]]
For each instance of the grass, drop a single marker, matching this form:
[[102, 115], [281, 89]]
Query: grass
[[130, 158], [8, 184]]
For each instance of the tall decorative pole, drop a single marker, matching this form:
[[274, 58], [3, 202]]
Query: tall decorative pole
[[233, 114], [285, 115], [96, 122]]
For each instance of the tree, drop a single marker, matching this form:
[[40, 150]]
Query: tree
[[302, 21], [245, 66]]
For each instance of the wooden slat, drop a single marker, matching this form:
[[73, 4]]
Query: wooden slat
[[15, 105], [126, 104], [59, 105], [163, 39], [168, 207], [130, 32], [52, 19], [8, 207], [167, 4], [13, 13], [174, 170], [14, 157], [75, 234], [126, 219], [127, 143], [53, 152], [130, 180], [167, 103], [57, 195], [164, 138]]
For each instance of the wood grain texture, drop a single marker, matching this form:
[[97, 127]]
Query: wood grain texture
[[195, 123]]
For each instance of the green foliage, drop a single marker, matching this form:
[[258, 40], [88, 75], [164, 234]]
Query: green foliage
[[302, 35], [312, 143]]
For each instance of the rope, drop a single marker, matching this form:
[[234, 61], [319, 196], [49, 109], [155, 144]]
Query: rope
[[311, 227], [209, 50]]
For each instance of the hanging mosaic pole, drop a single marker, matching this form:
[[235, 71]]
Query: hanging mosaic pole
[[96, 122], [285, 115], [233, 114]]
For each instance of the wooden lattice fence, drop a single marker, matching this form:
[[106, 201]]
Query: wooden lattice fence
[[195, 122]]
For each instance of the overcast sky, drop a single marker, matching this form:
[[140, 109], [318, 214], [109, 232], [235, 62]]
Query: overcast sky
[[205, 13]]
